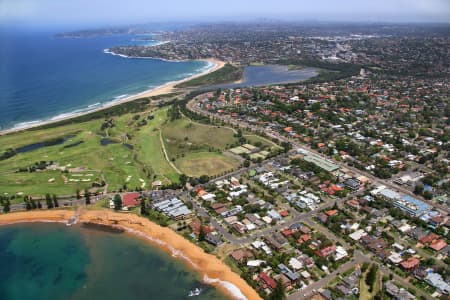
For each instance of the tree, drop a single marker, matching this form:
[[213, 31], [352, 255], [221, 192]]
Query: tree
[[247, 163], [204, 179], [279, 293], [27, 203], [87, 195], [418, 189], [371, 276], [143, 207], [48, 201], [117, 202], [183, 179], [55, 201], [6, 206], [202, 233], [428, 195], [315, 107], [286, 146]]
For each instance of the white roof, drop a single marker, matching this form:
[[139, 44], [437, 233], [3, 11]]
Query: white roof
[[251, 226], [295, 263], [255, 263], [395, 258], [208, 197], [357, 235], [305, 274], [267, 219]]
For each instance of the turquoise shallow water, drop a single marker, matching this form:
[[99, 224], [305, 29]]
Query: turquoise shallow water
[[52, 261]]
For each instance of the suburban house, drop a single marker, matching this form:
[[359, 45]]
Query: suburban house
[[129, 200]]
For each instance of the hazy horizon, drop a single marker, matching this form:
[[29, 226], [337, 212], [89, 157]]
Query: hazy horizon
[[50, 13]]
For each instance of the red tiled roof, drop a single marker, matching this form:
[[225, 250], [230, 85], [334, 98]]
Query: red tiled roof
[[326, 251], [201, 192], [130, 199], [332, 212], [438, 245], [429, 238], [287, 232], [284, 213], [268, 280], [304, 238], [195, 227], [410, 263]]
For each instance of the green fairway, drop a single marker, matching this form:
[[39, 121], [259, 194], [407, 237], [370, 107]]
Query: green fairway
[[120, 152], [114, 163], [149, 149]]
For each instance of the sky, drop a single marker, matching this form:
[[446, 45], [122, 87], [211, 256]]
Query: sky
[[40, 13]]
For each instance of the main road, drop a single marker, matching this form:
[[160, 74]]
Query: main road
[[191, 105]]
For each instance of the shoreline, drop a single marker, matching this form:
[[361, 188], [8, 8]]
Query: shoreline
[[166, 88], [212, 270]]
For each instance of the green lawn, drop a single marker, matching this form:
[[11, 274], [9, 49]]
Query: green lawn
[[188, 143], [113, 162], [184, 136], [364, 288], [261, 142], [206, 163]]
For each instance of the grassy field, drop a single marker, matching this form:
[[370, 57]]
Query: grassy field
[[184, 136], [114, 162], [261, 142], [364, 293], [132, 157], [196, 149], [209, 163], [226, 74]]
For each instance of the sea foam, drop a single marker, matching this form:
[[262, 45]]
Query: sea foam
[[231, 288]]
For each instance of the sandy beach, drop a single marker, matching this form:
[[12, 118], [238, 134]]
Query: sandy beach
[[213, 270], [160, 90]]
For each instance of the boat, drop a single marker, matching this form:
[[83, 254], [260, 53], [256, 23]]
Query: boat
[[194, 292]]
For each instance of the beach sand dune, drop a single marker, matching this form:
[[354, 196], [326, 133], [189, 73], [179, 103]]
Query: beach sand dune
[[213, 270]]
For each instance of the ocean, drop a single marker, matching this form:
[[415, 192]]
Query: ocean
[[53, 261], [44, 78]]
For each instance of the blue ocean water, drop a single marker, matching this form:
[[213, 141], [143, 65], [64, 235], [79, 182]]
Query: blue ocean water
[[42, 77], [53, 261]]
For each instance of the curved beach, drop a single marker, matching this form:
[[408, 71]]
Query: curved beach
[[160, 90], [213, 270]]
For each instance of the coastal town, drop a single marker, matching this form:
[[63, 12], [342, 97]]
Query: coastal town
[[336, 187]]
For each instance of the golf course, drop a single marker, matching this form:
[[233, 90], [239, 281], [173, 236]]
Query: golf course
[[130, 150]]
